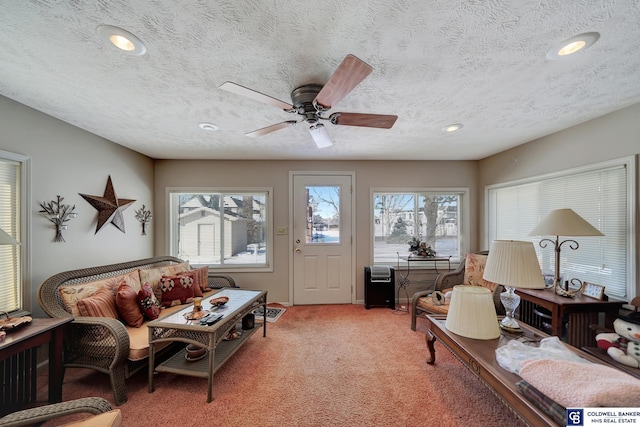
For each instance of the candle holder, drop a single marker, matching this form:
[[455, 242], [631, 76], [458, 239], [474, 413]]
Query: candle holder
[[59, 214]]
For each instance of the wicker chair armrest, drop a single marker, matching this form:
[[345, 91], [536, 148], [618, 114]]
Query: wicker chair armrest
[[418, 295], [496, 300], [106, 330], [91, 405], [449, 279], [218, 281]]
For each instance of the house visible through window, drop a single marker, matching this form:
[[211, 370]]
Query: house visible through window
[[12, 187], [222, 229], [436, 218]]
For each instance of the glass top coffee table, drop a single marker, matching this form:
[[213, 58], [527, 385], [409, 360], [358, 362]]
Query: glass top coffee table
[[176, 327]]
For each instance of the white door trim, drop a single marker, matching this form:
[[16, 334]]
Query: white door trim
[[351, 174]]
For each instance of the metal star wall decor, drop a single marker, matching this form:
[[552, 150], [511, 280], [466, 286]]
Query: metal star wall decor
[[109, 207]]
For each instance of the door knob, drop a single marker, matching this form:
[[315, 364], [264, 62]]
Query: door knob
[[298, 250]]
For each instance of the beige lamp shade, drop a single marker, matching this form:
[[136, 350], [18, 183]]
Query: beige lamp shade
[[5, 239], [513, 263], [564, 222], [472, 313]]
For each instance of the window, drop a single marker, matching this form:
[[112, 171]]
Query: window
[[601, 194], [13, 185], [435, 217], [222, 229]]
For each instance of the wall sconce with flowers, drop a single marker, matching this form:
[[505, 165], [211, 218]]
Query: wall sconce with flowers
[[144, 216], [59, 214]]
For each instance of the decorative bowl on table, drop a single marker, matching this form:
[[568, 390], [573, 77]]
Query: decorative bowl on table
[[217, 302], [194, 353], [10, 323], [195, 315]]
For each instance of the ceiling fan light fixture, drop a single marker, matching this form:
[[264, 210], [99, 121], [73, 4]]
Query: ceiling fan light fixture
[[122, 39], [453, 127], [573, 45], [320, 136]]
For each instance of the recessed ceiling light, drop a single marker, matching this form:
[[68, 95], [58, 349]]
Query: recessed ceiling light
[[573, 45], [453, 127], [208, 126], [122, 39]]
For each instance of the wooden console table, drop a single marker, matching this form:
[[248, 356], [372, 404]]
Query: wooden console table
[[479, 357], [18, 359], [581, 311]]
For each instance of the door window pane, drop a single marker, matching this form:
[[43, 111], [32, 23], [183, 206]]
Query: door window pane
[[323, 214]]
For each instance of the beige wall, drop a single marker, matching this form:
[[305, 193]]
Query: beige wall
[[609, 137], [65, 161], [275, 174]]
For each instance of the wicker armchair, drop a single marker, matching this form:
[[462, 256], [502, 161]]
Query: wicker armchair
[[422, 303], [81, 335], [89, 405]]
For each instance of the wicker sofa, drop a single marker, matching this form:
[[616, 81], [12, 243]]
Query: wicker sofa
[[106, 344], [101, 414], [469, 272]]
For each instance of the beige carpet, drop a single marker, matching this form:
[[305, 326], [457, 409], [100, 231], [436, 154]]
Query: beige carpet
[[337, 365]]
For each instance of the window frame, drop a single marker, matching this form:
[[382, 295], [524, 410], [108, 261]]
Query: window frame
[[24, 225], [172, 214], [629, 163], [463, 222]]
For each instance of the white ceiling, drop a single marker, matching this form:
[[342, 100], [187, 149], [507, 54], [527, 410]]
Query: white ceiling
[[479, 62]]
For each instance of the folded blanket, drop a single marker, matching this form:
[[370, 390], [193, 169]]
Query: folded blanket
[[579, 385]]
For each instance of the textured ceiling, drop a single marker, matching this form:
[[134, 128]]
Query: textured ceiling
[[478, 62]]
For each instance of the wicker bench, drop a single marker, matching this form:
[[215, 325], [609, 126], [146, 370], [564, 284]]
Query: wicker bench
[[111, 356]]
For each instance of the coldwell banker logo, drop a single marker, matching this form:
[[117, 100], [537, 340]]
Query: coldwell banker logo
[[575, 417]]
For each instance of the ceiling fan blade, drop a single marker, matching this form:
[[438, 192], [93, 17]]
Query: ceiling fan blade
[[348, 75], [320, 136], [383, 121], [257, 96], [272, 128]]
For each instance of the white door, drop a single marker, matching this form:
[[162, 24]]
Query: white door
[[322, 239]]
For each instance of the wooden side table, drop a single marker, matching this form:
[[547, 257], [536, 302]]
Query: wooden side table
[[18, 356], [581, 310]]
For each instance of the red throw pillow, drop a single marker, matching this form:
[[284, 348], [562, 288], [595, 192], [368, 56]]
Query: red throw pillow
[[127, 303], [176, 290], [148, 302], [100, 304], [202, 278], [197, 292]]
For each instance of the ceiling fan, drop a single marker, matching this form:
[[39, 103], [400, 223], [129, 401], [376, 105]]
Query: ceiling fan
[[312, 101]]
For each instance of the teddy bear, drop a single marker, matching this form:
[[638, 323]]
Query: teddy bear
[[623, 345]]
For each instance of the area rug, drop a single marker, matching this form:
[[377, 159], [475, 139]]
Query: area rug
[[273, 313]]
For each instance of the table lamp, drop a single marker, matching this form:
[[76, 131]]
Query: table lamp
[[472, 313], [563, 222], [5, 239], [513, 264]]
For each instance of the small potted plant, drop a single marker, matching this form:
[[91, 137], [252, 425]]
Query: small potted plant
[[416, 247]]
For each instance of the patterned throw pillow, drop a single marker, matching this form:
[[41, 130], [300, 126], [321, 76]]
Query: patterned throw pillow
[[197, 291], [148, 302], [202, 278], [127, 304], [152, 276], [473, 271], [100, 304], [176, 290], [71, 294]]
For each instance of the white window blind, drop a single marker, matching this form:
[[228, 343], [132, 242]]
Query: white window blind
[[600, 195], [10, 262]]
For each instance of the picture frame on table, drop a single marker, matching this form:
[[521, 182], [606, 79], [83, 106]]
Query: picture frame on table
[[593, 290]]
